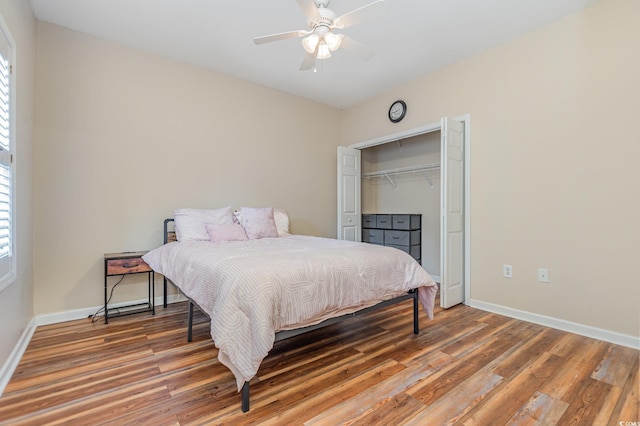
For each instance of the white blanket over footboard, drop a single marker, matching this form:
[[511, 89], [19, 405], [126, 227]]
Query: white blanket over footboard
[[251, 289]]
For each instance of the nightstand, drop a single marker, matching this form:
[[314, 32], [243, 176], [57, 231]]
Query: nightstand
[[127, 263]]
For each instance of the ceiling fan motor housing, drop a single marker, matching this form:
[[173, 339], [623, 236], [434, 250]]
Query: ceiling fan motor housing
[[324, 18]]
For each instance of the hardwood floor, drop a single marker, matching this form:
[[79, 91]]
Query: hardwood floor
[[465, 367]]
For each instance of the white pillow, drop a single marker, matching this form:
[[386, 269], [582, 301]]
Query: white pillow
[[190, 224], [258, 222], [282, 221]]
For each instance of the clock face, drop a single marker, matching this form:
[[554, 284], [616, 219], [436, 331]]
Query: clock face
[[397, 111]]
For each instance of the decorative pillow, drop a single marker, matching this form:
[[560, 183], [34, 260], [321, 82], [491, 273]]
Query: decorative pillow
[[281, 218], [258, 222], [190, 224], [226, 232]]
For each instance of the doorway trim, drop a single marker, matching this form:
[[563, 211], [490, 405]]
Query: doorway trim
[[434, 127]]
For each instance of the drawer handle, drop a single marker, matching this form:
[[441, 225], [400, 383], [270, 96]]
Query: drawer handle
[[400, 221], [396, 238]]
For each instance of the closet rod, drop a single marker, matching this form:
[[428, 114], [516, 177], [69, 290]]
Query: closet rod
[[401, 170]]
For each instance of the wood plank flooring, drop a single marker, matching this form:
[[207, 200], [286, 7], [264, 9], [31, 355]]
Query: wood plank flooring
[[466, 367]]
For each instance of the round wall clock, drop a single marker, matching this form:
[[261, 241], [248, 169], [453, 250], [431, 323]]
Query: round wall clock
[[397, 111]]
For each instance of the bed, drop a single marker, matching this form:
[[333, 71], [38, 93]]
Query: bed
[[263, 289]]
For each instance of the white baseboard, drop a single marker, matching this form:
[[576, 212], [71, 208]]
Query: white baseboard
[[85, 312], [436, 278], [11, 363], [571, 327]]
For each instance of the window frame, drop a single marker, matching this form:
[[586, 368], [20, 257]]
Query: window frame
[[10, 275]]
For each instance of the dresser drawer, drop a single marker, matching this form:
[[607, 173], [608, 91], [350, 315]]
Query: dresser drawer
[[383, 221], [374, 236], [126, 266], [416, 252], [368, 221], [402, 238], [403, 248], [406, 221]]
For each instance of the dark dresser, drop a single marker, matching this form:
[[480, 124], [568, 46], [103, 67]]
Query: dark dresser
[[402, 231]]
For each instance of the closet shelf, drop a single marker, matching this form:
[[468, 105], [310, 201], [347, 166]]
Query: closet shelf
[[387, 173]]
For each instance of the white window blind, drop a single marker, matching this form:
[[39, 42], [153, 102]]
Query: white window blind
[[7, 258]]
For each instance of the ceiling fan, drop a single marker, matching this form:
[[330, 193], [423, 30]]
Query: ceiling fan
[[320, 40]]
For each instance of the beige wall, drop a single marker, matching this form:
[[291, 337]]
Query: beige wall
[[125, 137], [16, 309], [554, 172]]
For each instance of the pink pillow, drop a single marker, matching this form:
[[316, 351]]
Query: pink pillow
[[226, 232], [258, 222]]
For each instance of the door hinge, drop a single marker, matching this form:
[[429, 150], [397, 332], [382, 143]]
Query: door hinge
[[10, 69]]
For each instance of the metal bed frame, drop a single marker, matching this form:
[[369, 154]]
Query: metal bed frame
[[169, 236]]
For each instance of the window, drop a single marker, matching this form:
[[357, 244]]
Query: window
[[7, 234]]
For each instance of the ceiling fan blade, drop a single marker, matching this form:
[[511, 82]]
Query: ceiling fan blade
[[364, 13], [308, 7], [308, 62], [279, 36], [357, 48]]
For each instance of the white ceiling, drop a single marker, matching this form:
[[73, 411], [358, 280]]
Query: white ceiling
[[413, 37]]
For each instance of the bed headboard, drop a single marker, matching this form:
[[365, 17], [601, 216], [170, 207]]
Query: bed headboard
[[169, 231]]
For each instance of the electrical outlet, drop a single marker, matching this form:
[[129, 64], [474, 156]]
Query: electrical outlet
[[543, 275], [507, 271]]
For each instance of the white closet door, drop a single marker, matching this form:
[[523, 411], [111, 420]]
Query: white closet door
[[349, 210], [452, 205]]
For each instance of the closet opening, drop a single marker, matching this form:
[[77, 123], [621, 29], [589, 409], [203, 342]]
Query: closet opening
[[411, 190], [403, 178]]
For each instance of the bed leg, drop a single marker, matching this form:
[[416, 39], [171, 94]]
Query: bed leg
[[164, 292], [190, 325], [245, 397], [416, 325]]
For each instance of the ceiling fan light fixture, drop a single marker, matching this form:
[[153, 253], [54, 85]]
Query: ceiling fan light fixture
[[333, 41], [323, 51], [310, 43]]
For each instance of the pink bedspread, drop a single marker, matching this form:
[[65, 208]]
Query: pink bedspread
[[251, 289]]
